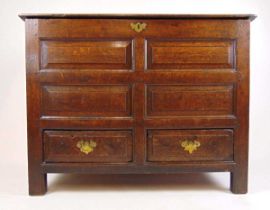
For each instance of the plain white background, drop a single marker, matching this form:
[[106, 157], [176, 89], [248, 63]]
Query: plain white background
[[188, 191]]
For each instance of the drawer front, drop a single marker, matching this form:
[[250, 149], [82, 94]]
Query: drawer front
[[88, 146], [197, 100], [87, 100], [190, 145]]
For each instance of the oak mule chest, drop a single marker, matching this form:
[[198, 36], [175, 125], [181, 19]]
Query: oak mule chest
[[144, 94]]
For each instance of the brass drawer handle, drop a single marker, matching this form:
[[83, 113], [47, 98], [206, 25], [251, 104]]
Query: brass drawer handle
[[86, 146], [190, 146], [138, 27]]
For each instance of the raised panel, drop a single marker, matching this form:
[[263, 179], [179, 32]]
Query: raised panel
[[176, 100], [89, 54], [110, 146], [190, 54], [87, 101], [212, 145]]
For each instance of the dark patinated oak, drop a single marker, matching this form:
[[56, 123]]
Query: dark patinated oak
[[136, 99]]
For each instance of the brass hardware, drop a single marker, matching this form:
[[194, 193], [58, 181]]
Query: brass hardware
[[190, 146], [138, 27], [86, 146]]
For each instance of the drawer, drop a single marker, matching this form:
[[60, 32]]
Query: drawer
[[190, 145], [88, 146]]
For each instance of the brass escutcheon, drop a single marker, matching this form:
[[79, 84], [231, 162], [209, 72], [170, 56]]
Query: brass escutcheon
[[138, 27], [190, 146], [86, 146]]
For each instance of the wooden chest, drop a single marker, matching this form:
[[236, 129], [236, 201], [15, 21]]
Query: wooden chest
[[144, 94]]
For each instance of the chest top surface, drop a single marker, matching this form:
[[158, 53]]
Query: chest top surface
[[135, 16]]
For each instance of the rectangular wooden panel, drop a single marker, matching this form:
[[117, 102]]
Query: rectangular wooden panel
[[175, 145], [87, 101], [176, 100], [73, 146], [190, 54], [90, 54], [107, 28]]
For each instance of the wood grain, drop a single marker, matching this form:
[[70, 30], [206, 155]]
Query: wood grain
[[189, 100], [87, 101], [88, 54], [190, 54]]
